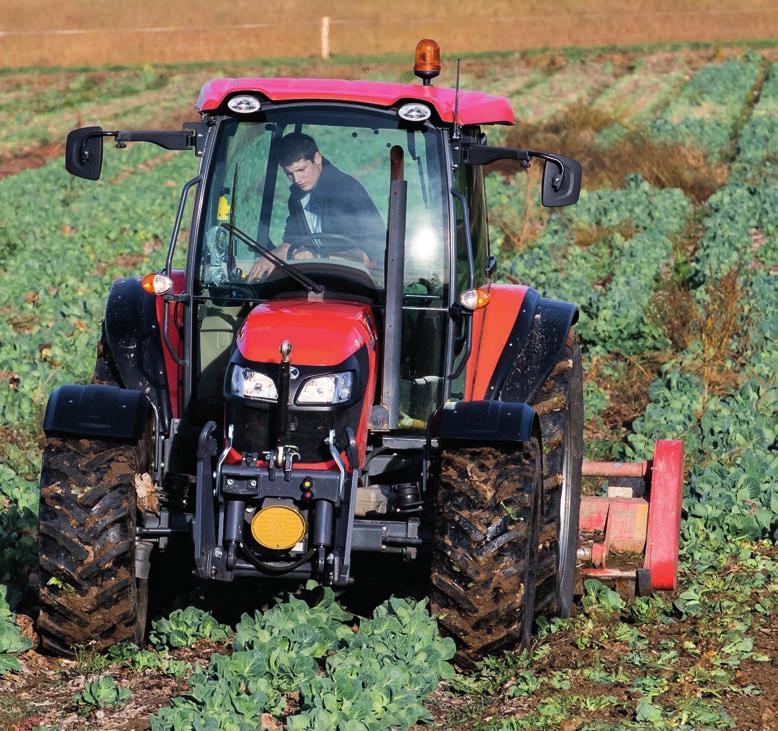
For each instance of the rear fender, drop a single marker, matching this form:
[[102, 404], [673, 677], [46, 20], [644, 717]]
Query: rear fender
[[133, 335], [96, 412]]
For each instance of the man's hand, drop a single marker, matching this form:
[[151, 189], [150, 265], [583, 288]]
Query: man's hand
[[263, 267]]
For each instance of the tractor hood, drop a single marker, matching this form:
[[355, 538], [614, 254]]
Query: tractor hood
[[321, 333]]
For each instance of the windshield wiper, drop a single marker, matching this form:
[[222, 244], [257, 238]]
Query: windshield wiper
[[290, 269]]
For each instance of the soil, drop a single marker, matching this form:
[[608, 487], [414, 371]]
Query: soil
[[43, 692], [454, 712], [30, 158], [760, 713]]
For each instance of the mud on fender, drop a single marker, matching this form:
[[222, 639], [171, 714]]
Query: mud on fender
[[532, 349]]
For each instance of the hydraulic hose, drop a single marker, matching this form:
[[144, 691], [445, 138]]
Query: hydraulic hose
[[275, 568]]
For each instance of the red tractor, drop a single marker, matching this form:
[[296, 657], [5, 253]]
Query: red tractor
[[335, 373]]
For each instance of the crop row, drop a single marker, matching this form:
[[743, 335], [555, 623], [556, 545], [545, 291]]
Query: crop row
[[58, 266], [707, 110], [626, 239], [757, 154], [39, 109], [731, 436]]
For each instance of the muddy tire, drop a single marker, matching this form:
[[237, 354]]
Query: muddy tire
[[86, 536], [485, 547], [559, 404]]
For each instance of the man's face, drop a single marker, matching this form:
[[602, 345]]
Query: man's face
[[305, 173]]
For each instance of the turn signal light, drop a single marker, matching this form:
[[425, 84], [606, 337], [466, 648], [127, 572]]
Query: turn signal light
[[157, 283], [426, 64], [474, 299]]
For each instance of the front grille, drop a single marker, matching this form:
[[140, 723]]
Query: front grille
[[254, 428], [255, 421]]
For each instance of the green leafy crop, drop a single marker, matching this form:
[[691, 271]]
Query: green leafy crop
[[102, 692], [184, 627], [370, 678]]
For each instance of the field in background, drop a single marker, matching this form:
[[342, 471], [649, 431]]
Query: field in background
[[91, 32], [671, 254]]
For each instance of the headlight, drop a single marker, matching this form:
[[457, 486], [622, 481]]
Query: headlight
[[334, 388], [253, 385]]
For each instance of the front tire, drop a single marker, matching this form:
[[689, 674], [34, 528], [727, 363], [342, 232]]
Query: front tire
[[485, 549], [86, 536]]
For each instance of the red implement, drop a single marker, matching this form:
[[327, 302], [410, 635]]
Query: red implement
[[617, 529]]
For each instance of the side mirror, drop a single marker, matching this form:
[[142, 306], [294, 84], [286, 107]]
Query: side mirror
[[84, 152], [561, 175], [561, 181]]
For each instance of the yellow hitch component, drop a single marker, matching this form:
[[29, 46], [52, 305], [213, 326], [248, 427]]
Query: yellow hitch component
[[278, 527]]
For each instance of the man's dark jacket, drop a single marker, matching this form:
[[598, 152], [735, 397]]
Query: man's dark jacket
[[344, 208]]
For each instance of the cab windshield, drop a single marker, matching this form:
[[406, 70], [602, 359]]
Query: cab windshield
[[311, 185], [324, 211]]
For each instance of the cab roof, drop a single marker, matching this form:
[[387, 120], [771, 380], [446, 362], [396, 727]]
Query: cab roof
[[475, 107]]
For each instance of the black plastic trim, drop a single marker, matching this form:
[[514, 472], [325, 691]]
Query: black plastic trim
[[483, 422], [134, 340], [96, 411], [532, 348]]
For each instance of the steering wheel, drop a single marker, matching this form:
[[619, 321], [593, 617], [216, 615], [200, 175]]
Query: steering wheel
[[232, 291], [314, 241]]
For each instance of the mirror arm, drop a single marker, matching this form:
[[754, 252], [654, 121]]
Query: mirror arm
[[483, 155], [183, 139]]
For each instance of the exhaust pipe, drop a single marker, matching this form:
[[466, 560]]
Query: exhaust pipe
[[386, 415]]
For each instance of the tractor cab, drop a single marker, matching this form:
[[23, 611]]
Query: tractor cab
[[251, 205]]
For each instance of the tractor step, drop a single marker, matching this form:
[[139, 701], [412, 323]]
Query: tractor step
[[634, 531]]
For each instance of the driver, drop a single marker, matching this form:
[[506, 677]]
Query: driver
[[323, 200]]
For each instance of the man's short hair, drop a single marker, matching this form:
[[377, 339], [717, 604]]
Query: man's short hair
[[296, 146]]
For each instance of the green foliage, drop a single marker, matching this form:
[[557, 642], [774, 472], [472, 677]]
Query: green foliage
[[129, 655], [371, 679], [526, 684], [733, 484], [102, 692], [706, 112], [11, 640], [184, 627], [612, 279], [757, 154], [599, 596]]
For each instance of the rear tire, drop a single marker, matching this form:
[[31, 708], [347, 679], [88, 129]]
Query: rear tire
[[559, 404], [86, 538], [486, 545]]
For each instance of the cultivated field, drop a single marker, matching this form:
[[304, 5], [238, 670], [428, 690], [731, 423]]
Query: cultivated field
[[672, 254], [89, 32]]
